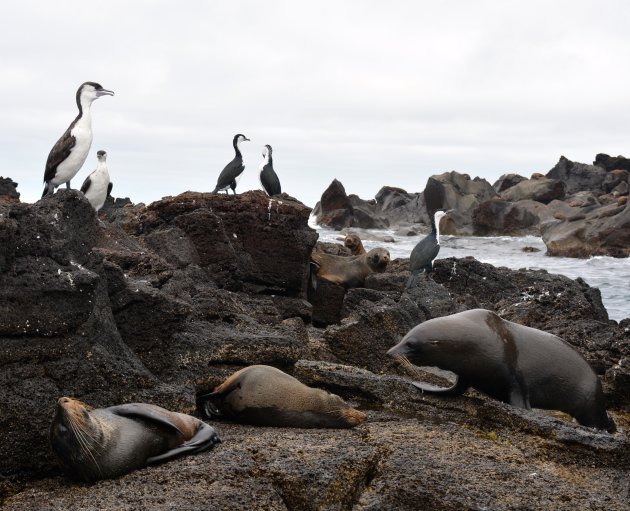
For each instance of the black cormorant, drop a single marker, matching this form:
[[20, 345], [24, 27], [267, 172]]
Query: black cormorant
[[427, 249], [233, 170], [268, 177]]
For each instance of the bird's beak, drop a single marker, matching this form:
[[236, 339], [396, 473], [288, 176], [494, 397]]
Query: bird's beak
[[247, 140], [448, 211], [104, 92]]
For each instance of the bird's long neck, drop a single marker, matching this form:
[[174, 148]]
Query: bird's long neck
[[85, 113], [237, 150], [268, 159], [435, 229]]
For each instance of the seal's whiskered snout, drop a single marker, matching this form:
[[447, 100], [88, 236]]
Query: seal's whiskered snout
[[406, 363]]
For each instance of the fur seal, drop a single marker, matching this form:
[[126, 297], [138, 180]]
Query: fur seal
[[103, 443], [349, 271], [353, 243], [265, 396], [516, 364]]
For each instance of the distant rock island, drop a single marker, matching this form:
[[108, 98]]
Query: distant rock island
[[580, 210]]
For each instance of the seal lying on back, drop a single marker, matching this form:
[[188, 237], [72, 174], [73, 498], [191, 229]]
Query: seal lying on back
[[353, 243], [265, 396], [519, 365], [349, 271], [107, 442]]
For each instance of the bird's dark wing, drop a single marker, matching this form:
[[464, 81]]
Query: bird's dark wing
[[230, 172], [86, 185], [269, 180], [59, 152], [423, 253], [109, 188]]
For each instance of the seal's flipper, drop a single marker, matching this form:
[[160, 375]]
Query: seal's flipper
[[207, 402], [146, 412], [457, 389], [204, 439]]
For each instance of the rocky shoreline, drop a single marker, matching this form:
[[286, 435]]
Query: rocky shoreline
[[579, 210], [159, 303]]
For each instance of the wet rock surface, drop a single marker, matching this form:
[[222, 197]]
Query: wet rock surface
[[147, 304]]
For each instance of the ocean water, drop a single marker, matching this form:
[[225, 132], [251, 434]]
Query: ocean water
[[609, 274]]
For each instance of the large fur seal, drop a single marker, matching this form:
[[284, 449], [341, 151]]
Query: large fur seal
[[349, 271], [107, 442], [265, 396], [519, 365]]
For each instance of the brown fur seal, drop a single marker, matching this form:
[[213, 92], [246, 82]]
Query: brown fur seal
[[353, 242], [516, 364], [349, 271], [107, 442], [266, 396]]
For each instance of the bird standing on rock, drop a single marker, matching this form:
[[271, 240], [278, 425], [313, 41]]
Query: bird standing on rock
[[232, 172], [97, 185], [268, 177], [69, 153], [427, 249]]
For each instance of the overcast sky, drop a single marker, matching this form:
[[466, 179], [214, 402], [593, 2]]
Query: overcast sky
[[372, 93]]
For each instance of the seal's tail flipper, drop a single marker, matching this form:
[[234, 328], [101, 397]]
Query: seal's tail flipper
[[457, 389], [207, 402], [204, 439]]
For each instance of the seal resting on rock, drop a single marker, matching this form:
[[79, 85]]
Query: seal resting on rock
[[349, 271], [353, 243], [265, 396], [103, 443], [516, 364]]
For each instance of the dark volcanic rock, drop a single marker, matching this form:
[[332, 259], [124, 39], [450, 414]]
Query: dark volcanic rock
[[254, 242], [8, 190], [334, 209], [609, 163], [402, 208], [578, 177], [338, 210], [497, 217], [507, 181], [616, 180], [602, 231], [540, 190], [456, 191]]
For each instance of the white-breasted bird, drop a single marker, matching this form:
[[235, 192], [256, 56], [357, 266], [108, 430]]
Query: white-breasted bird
[[69, 153], [97, 186]]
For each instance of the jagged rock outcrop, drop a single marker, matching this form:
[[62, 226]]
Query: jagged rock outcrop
[[458, 192], [578, 177], [539, 190], [507, 181], [601, 231], [609, 163], [338, 210], [8, 190], [402, 208]]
